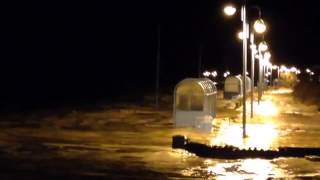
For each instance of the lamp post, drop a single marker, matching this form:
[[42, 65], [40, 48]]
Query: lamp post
[[230, 10], [275, 67], [261, 48], [259, 27]]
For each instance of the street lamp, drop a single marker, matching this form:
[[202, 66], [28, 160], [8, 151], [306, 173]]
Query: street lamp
[[262, 47], [308, 71], [206, 74], [214, 74], [240, 35], [275, 67], [226, 74], [229, 10], [260, 28]]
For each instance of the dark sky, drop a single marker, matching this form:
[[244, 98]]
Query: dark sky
[[79, 48]]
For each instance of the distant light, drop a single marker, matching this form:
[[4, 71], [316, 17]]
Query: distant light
[[274, 67], [308, 70], [312, 73], [214, 74], [259, 26], [229, 10], [267, 55], [206, 74], [240, 35], [253, 48], [263, 46]]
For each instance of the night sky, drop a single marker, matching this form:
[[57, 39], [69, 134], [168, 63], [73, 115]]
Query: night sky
[[67, 50]]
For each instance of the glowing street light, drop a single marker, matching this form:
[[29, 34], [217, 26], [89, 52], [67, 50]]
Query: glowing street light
[[226, 74], [259, 26], [275, 67], [308, 70], [214, 74], [240, 35], [267, 56], [229, 10], [206, 74], [263, 46]]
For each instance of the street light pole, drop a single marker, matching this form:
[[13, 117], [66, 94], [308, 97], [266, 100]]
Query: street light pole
[[260, 75], [253, 51], [244, 65], [260, 28], [157, 68]]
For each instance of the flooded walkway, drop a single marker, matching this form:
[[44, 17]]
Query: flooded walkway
[[134, 142]]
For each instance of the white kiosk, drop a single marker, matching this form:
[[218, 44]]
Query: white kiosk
[[195, 103], [233, 87]]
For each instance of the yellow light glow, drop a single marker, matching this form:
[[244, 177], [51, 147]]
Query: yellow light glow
[[265, 108], [206, 74], [308, 70], [267, 55], [245, 169], [260, 136], [263, 46], [240, 35], [274, 67], [281, 91], [259, 26], [229, 10], [214, 74], [293, 69]]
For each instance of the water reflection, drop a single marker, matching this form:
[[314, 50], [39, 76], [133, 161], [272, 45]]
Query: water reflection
[[260, 136], [244, 169]]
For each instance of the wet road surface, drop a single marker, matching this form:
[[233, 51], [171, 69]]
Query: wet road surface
[[134, 142]]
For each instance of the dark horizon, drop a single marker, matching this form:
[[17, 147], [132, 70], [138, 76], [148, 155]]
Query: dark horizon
[[52, 50]]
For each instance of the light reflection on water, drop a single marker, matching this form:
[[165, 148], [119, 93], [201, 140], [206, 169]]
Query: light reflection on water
[[236, 169], [245, 169], [267, 130]]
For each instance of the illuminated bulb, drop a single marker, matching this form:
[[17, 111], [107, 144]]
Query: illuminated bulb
[[259, 26], [267, 55], [240, 35], [206, 74], [214, 73], [229, 10], [308, 70], [263, 46]]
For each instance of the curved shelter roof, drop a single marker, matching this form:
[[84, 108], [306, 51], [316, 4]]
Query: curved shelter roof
[[206, 86], [233, 79]]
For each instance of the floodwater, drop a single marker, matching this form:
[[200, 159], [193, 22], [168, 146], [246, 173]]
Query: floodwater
[[134, 142]]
